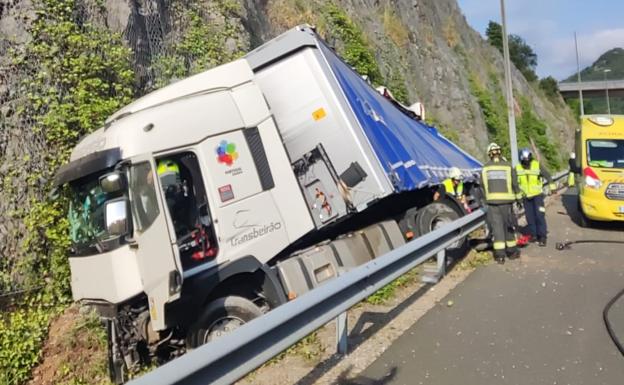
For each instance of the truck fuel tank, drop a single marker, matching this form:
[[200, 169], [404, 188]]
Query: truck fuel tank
[[312, 267]]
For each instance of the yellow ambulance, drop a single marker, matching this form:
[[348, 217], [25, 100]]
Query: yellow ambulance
[[599, 161]]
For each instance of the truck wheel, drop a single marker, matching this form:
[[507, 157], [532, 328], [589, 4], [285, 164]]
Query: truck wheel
[[222, 316], [435, 215]]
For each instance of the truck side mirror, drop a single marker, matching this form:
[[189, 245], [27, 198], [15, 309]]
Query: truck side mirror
[[112, 182], [116, 217]]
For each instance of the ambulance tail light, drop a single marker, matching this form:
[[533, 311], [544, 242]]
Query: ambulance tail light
[[591, 179]]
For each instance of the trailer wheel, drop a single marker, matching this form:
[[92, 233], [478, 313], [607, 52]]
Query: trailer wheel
[[435, 215], [222, 316]]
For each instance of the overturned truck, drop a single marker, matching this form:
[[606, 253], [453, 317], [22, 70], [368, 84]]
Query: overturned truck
[[211, 201]]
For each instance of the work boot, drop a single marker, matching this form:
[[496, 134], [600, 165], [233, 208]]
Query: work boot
[[513, 253], [542, 242]]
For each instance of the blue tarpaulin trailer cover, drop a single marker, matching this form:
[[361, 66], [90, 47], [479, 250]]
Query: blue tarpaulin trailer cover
[[414, 154]]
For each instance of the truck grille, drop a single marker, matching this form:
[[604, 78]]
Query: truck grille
[[615, 191]]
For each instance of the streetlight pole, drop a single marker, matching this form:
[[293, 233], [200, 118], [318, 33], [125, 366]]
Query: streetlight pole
[[604, 72], [578, 76], [508, 84]]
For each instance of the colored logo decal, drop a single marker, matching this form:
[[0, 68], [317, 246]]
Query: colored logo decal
[[226, 153]]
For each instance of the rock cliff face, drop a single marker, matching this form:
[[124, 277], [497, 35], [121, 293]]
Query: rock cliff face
[[423, 50]]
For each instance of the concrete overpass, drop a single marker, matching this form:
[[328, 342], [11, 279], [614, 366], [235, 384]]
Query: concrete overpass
[[592, 88]]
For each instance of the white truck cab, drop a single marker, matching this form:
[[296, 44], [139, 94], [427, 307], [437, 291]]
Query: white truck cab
[[217, 134]]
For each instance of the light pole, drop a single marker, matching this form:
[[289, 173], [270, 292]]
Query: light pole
[[508, 85], [604, 72], [578, 76]]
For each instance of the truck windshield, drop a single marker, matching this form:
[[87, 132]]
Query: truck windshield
[[605, 153], [87, 227]]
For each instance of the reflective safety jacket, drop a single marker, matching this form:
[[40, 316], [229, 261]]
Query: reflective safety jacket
[[451, 189], [168, 172], [499, 183], [530, 180]]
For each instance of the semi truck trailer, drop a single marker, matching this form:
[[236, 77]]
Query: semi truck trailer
[[206, 203]]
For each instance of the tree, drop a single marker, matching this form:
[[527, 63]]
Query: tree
[[494, 33], [550, 87], [520, 53], [523, 57]]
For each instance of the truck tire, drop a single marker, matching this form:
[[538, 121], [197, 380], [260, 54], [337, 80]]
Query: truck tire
[[434, 216], [222, 316]]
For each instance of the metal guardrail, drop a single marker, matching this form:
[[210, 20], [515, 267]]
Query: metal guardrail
[[560, 179], [560, 175], [234, 355]]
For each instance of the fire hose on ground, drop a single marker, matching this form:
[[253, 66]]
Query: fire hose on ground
[[605, 312]]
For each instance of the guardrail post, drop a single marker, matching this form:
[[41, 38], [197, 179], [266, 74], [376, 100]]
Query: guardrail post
[[433, 274], [341, 327], [441, 257], [341, 334]]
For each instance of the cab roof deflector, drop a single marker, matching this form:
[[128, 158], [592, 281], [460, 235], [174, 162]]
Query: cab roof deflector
[[87, 165]]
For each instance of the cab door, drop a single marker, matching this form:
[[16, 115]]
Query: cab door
[[158, 265]]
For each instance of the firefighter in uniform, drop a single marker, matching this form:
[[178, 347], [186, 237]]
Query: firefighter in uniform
[[176, 194], [500, 191], [530, 174], [454, 186]]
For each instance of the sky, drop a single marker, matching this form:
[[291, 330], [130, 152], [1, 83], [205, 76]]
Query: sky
[[548, 26]]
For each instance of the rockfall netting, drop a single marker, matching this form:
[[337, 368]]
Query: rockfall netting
[[168, 40]]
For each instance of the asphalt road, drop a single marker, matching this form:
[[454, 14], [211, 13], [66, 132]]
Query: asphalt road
[[533, 321]]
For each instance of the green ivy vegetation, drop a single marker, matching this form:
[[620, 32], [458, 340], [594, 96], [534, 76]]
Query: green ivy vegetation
[[528, 125], [81, 74], [493, 107], [396, 84], [355, 51], [575, 106], [22, 331], [531, 127]]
